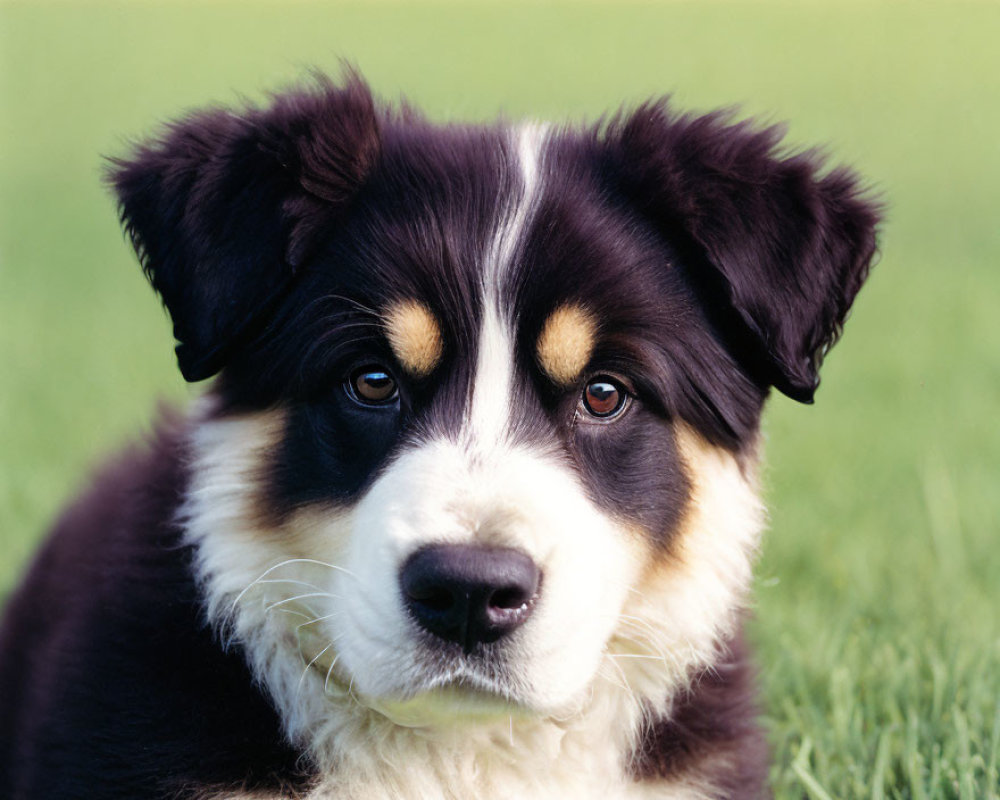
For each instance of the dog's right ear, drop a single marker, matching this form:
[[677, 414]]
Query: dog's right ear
[[224, 209]]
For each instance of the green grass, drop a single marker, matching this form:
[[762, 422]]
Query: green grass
[[877, 605]]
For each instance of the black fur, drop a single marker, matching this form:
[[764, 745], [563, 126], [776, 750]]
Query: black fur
[[226, 208], [715, 718], [787, 247], [111, 685]]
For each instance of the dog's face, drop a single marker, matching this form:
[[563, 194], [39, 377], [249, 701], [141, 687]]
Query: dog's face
[[483, 439]]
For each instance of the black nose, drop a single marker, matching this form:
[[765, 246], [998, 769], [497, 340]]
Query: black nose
[[467, 593]]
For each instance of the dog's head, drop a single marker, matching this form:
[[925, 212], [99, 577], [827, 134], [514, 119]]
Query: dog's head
[[482, 440]]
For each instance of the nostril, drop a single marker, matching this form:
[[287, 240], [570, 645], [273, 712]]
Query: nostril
[[509, 598]]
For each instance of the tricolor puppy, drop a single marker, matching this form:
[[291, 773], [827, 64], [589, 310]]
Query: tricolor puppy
[[470, 506]]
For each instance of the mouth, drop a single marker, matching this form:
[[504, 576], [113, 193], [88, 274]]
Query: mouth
[[454, 697]]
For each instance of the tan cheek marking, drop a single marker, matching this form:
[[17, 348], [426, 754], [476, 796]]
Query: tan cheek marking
[[304, 532], [702, 458], [696, 456], [566, 343], [689, 596], [414, 336], [706, 513]]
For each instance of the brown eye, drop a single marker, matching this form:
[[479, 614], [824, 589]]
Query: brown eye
[[604, 397], [372, 386]]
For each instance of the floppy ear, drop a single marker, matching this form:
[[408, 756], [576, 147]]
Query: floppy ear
[[786, 246], [224, 208]]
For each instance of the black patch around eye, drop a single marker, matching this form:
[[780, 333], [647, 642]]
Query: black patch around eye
[[634, 469], [332, 449]]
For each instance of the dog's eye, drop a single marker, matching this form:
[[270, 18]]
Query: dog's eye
[[372, 385], [604, 397]]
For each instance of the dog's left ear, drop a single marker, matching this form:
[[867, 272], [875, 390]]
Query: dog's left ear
[[225, 209], [786, 246]]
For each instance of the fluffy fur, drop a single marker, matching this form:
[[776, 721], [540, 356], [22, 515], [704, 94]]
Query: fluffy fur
[[415, 338], [226, 614], [565, 344]]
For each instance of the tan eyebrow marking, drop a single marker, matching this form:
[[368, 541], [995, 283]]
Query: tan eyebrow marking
[[414, 336], [566, 343]]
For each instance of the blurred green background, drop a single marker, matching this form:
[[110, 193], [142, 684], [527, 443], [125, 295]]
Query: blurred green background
[[879, 585]]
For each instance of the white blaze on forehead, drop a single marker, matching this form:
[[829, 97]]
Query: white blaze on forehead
[[492, 387], [493, 381], [527, 144]]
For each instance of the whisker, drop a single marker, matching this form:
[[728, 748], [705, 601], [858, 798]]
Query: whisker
[[326, 683], [317, 619], [300, 597], [322, 564], [294, 611], [638, 621], [349, 325], [611, 679], [643, 634], [292, 580], [330, 342], [356, 303], [627, 687], [305, 672], [285, 563]]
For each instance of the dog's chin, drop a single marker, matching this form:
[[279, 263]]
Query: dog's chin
[[448, 705], [440, 701], [451, 698]]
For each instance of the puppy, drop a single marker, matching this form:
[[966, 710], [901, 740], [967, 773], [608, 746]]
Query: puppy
[[470, 507]]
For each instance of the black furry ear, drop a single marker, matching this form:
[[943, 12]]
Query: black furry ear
[[787, 246], [224, 208]]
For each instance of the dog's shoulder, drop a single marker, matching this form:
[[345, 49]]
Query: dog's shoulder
[[110, 681]]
